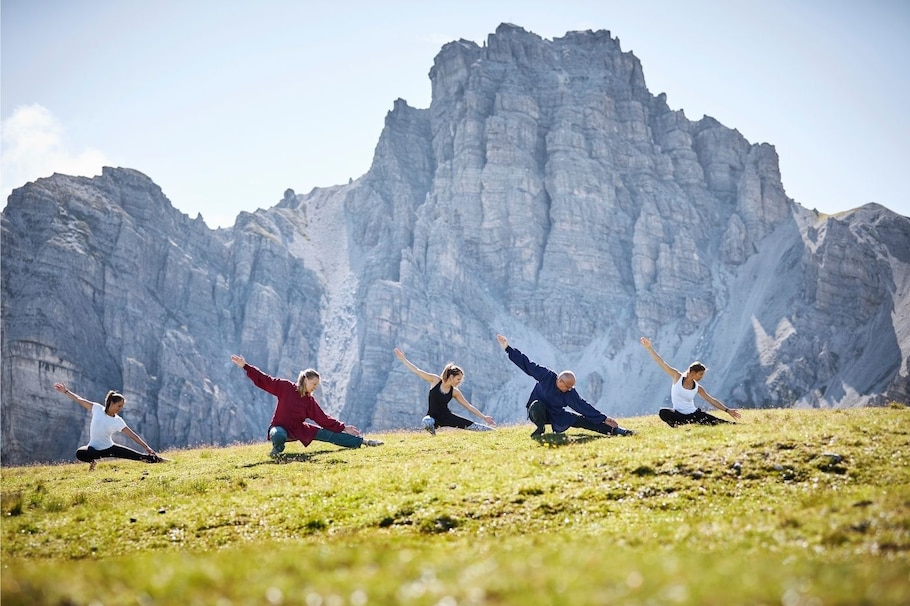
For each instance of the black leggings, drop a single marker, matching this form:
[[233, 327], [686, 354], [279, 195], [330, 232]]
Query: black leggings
[[447, 418], [699, 417], [87, 454]]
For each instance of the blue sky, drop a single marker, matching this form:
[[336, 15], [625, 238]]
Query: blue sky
[[225, 104]]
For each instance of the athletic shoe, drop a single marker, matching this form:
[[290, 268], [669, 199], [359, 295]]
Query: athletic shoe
[[372, 442], [478, 427], [537, 433], [276, 450], [619, 431], [429, 423]]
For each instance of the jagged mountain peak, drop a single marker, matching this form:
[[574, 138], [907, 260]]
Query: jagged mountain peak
[[545, 194]]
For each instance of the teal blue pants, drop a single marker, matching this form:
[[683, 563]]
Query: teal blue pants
[[279, 436]]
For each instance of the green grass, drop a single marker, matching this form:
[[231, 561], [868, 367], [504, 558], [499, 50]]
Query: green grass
[[791, 507]]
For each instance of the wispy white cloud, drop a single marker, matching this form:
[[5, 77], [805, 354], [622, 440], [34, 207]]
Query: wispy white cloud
[[32, 145]]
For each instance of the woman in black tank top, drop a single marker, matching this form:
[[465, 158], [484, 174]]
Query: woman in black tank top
[[443, 389]]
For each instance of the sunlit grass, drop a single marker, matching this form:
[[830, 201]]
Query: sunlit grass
[[789, 507]]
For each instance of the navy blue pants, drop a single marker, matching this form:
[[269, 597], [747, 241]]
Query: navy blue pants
[[537, 413]]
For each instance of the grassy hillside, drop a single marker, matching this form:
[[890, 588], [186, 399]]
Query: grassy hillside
[[792, 507]]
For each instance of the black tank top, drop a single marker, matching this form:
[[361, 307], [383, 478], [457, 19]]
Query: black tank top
[[439, 401]]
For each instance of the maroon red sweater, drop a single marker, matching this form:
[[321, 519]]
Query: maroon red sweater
[[293, 409]]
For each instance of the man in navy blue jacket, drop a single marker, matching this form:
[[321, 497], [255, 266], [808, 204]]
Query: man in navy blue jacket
[[553, 394]]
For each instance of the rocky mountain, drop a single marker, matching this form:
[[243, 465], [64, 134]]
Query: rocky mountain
[[545, 194]]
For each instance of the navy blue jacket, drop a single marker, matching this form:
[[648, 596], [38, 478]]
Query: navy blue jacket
[[549, 394]]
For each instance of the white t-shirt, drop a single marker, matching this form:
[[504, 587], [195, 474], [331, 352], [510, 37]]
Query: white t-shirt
[[103, 428], [683, 399]]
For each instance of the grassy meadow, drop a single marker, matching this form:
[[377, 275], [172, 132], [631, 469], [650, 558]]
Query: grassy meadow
[[789, 507]]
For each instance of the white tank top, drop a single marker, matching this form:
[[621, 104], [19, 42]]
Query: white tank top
[[683, 399]]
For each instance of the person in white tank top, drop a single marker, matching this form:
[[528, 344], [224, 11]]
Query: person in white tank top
[[683, 399], [682, 394]]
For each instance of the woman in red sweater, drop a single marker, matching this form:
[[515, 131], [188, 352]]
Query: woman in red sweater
[[295, 405]]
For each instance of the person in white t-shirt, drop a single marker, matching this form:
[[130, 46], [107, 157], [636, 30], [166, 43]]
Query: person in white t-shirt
[[105, 423], [682, 394]]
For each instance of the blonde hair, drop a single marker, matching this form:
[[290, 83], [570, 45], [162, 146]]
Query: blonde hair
[[309, 373]]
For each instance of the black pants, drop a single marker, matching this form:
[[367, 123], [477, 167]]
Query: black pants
[[584, 423], [87, 454], [537, 413], [446, 418], [699, 417]]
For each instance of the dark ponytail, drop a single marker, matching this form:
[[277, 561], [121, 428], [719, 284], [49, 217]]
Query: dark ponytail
[[696, 367], [112, 397], [451, 370]]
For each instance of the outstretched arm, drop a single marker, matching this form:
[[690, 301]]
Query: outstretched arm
[[584, 408], [135, 437], [660, 361], [426, 376], [717, 403], [464, 402], [86, 404], [259, 378], [533, 370], [325, 421]]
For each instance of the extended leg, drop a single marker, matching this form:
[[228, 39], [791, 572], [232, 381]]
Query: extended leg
[[122, 452], [339, 439], [603, 428], [703, 418], [450, 419], [90, 455]]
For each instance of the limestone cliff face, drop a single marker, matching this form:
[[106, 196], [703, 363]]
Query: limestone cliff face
[[106, 286], [545, 194]]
